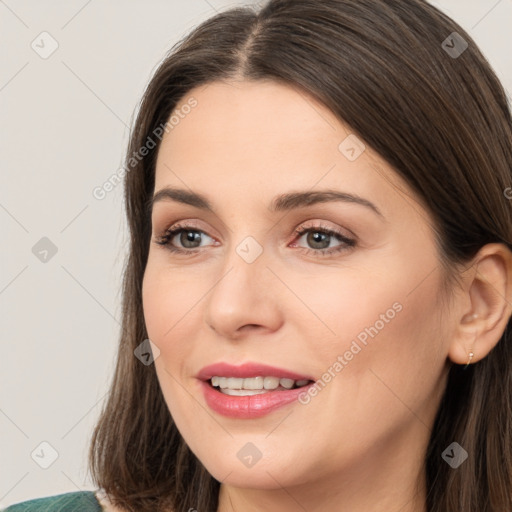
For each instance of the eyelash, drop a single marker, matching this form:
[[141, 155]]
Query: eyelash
[[348, 243]]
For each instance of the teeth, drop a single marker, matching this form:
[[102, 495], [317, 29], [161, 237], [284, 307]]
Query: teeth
[[287, 383], [257, 384], [271, 382], [242, 392], [252, 383]]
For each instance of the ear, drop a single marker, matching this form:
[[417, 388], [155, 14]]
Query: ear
[[488, 305]]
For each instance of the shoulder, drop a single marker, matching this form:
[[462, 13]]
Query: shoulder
[[81, 501]]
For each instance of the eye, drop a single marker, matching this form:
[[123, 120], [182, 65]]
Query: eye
[[318, 237], [189, 238]]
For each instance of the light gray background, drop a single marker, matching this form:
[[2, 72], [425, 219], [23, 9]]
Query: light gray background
[[65, 126]]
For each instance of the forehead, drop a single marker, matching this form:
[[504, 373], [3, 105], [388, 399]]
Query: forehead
[[253, 120], [262, 138]]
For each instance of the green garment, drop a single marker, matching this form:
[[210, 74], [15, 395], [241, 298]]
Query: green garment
[[82, 501]]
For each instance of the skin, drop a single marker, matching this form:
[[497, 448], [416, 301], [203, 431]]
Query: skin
[[359, 444]]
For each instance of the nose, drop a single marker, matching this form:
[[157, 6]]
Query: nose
[[244, 298]]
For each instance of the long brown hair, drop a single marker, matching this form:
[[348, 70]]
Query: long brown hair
[[440, 119]]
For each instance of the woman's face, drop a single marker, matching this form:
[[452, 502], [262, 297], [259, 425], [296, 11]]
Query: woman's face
[[358, 311]]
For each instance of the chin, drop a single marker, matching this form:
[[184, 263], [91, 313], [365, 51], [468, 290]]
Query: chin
[[236, 462], [260, 476]]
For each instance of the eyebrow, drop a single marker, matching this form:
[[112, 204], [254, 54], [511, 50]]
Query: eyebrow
[[281, 203]]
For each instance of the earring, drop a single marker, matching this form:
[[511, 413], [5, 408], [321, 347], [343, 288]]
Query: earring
[[471, 354], [469, 360]]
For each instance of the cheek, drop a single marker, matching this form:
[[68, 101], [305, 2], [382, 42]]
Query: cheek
[[348, 309], [169, 314], [383, 365], [379, 331], [155, 302], [399, 369], [169, 298]]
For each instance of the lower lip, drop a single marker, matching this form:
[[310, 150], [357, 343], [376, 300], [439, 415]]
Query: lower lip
[[251, 406]]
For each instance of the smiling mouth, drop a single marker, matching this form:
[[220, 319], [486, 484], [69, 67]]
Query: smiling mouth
[[236, 386]]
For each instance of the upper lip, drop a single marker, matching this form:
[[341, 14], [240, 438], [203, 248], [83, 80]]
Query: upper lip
[[246, 370]]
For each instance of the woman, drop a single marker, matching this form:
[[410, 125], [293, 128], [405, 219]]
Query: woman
[[318, 290]]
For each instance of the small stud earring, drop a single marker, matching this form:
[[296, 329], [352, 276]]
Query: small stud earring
[[469, 360]]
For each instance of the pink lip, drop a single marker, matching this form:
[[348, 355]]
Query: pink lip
[[248, 370], [252, 406]]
